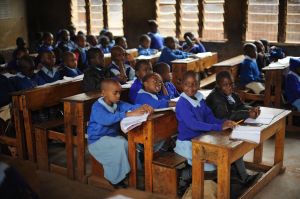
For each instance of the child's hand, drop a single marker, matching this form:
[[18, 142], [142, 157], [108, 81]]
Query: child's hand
[[136, 112], [228, 124], [252, 114], [147, 108], [256, 110], [164, 90], [172, 103]]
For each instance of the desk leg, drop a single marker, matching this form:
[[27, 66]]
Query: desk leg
[[279, 143], [80, 142], [258, 153], [132, 161], [69, 139], [223, 175], [148, 153], [197, 173]]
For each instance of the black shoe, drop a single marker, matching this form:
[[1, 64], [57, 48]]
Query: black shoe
[[251, 179], [120, 185]]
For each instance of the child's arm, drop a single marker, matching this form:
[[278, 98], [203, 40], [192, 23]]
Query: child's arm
[[147, 99]]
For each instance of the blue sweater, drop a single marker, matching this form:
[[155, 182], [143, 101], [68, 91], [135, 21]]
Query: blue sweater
[[45, 48], [70, 72], [153, 100], [130, 73], [49, 76], [21, 82], [5, 88], [168, 55], [249, 72], [157, 41], [197, 48], [292, 87], [146, 51], [172, 91], [105, 119], [195, 117], [134, 89]]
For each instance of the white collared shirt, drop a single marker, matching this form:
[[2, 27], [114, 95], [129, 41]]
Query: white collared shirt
[[111, 109], [195, 103]]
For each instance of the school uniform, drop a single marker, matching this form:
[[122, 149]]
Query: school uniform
[[114, 69], [157, 41], [197, 48], [292, 84], [45, 48], [49, 76], [105, 50], [168, 55], [146, 51], [194, 118], [144, 97], [81, 56], [172, 91], [68, 46], [6, 88], [93, 76], [250, 77], [105, 143], [134, 89], [69, 72], [22, 82], [227, 107]]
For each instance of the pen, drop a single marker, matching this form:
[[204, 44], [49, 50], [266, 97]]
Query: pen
[[239, 122]]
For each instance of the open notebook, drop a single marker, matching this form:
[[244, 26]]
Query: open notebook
[[129, 123], [263, 118], [247, 133]]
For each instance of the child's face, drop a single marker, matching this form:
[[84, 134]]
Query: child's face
[[123, 43], [112, 93], [93, 40], [119, 55], [166, 74], [49, 40], [226, 86], [252, 53], [27, 69], [104, 42], [65, 36], [48, 59], [260, 48], [81, 42], [146, 43], [190, 86], [71, 61], [171, 43], [153, 84], [143, 71], [99, 60]]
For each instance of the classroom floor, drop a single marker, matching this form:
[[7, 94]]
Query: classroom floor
[[55, 186]]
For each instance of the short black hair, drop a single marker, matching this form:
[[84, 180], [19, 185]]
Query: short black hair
[[140, 63], [148, 76], [106, 82], [167, 39], [187, 34], [67, 55], [92, 53], [160, 67], [189, 74], [102, 38], [118, 40], [46, 35], [26, 60], [143, 38], [223, 75], [248, 47]]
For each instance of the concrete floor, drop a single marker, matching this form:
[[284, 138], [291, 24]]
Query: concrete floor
[[285, 186]]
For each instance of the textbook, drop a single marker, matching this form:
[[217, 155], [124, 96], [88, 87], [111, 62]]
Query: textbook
[[164, 109], [247, 133], [129, 123]]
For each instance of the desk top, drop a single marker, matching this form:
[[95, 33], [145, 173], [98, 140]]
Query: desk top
[[222, 139], [230, 62], [193, 59]]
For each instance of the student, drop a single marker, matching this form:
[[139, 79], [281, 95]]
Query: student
[[12, 66], [6, 88], [64, 43], [144, 47], [149, 94], [292, 85], [92, 41], [170, 53], [47, 42], [261, 58], [142, 68], [111, 38], [276, 53], [96, 71], [194, 118], [192, 44], [26, 79], [38, 41], [49, 72], [250, 77], [69, 68], [81, 52], [105, 142], [104, 44], [157, 41], [169, 90], [121, 41], [122, 72]]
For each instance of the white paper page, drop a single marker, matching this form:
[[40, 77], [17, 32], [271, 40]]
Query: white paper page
[[119, 197], [164, 109], [126, 85], [263, 118], [129, 123], [8, 75], [202, 55]]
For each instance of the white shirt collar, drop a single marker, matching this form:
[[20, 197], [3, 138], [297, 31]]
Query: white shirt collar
[[151, 94], [111, 109], [194, 103], [49, 72]]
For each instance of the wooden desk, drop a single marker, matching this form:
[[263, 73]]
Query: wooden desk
[[230, 65], [159, 126], [77, 111], [153, 59], [219, 149], [24, 102], [179, 67]]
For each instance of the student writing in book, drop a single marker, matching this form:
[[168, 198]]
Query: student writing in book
[[292, 85], [168, 90], [69, 67], [149, 94], [105, 142], [142, 68]]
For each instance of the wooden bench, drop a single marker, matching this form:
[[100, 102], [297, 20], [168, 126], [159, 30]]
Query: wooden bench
[[25, 102], [165, 173]]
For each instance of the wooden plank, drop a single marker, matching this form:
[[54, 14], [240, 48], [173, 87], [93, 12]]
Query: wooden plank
[[8, 140]]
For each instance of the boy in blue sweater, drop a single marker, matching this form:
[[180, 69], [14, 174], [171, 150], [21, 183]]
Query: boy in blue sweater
[[49, 72], [47, 42], [194, 118], [149, 94], [104, 44], [144, 47], [157, 41], [69, 68], [170, 52], [250, 77], [81, 52], [168, 90], [142, 68], [192, 44], [292, 85], [105, 142]]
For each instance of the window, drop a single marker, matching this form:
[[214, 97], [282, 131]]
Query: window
[[213, 20], [189, 17], [293, 21], [262, 20], [91, 16], [166, 17]]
